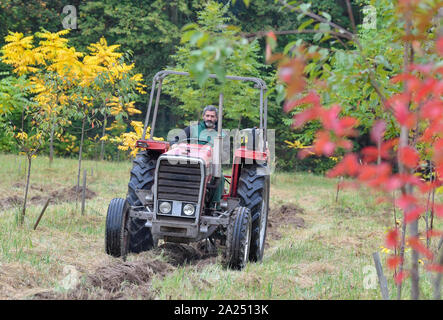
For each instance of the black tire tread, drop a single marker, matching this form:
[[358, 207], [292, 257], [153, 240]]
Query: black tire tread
[[236, 238], [252, 191], [115, 220], [142, 177]]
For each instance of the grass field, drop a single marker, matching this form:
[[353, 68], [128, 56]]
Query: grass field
[[317, 248]]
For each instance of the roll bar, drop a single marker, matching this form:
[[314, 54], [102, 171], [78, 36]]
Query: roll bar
[[159, 76]]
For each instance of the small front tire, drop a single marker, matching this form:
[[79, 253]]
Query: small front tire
[[238, 239], [117, 233]]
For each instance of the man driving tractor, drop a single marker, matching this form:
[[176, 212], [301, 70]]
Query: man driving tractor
[[176, 194], [204, 133]]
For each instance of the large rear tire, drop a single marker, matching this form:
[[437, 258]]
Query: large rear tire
[[142, 177], [253, 191], [238, 239], [117, 233]]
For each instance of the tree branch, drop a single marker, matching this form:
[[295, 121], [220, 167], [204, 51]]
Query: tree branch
[[260, 34], [351, 16], [319, 18]]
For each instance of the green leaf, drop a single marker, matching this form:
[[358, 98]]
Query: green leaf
[[305, 24], [327, 16], [220, 73], [324, 27], [289, 46], [304, 7], [317, 36]]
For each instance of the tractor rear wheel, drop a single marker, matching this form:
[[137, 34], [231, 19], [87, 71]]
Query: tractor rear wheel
[[253, 191], [117, 233], [238, 239], [142, 177]]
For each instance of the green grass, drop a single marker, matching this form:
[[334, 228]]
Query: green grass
[[324, 260]]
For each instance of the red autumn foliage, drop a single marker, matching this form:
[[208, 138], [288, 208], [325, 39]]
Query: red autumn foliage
[[408, 156], [418, 246], [401, 276], [392, 239], [434, 267], [394, 261], [389, 164]]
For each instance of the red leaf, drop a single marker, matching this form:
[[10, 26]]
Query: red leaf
[[434, 267], [348, 165], [393, 183], [438, 210], [440, 46], [271, 35], [351, 164], [418, 246], [392, 239], [408, 156], [378, 131], [434, 233], [305, 153], [425, 89], [301, 118], [329, 118], [346, 127], [393, 261], [413, 214], [367, 172], [405, 200], [401, 276], [439, 170], [401, 111], [284, 73], [270, 44], [323, 144], [311, 98]]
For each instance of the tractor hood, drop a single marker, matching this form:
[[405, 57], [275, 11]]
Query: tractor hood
[[196, 151]]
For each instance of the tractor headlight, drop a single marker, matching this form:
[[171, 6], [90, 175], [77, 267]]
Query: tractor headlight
[[188, 209], [165, 207]]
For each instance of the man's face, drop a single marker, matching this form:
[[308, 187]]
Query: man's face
[[210, 117]]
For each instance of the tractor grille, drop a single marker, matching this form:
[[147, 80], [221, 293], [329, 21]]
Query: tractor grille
[[179, 182]]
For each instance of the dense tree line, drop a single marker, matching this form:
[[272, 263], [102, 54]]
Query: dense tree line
[[149, 32]]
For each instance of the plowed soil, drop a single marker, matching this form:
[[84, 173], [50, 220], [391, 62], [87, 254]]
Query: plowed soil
[[39, 195], [120, 279]]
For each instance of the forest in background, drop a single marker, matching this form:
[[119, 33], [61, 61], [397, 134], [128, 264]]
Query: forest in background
[[149, 34]]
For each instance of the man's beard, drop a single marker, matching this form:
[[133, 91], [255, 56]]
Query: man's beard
[[210, 124]]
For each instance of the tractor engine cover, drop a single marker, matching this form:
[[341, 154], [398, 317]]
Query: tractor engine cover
[[181, 176]]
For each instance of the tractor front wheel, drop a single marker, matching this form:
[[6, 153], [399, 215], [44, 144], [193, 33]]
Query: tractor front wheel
[[117, 233], [238, 239]]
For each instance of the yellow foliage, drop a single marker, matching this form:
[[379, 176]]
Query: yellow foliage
[[296, 145], [22, 136], [129, 139], [18, 52], [102, 54]]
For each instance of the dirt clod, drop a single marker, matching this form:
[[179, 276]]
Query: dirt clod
[[41, 194], [120, 279], [285, 215]]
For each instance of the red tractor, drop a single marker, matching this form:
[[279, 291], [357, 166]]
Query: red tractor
[[168, 191]]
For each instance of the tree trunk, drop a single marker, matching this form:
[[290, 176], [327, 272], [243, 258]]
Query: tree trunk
[[51, 143], [80, 161], [102, 147], [22, 216]]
